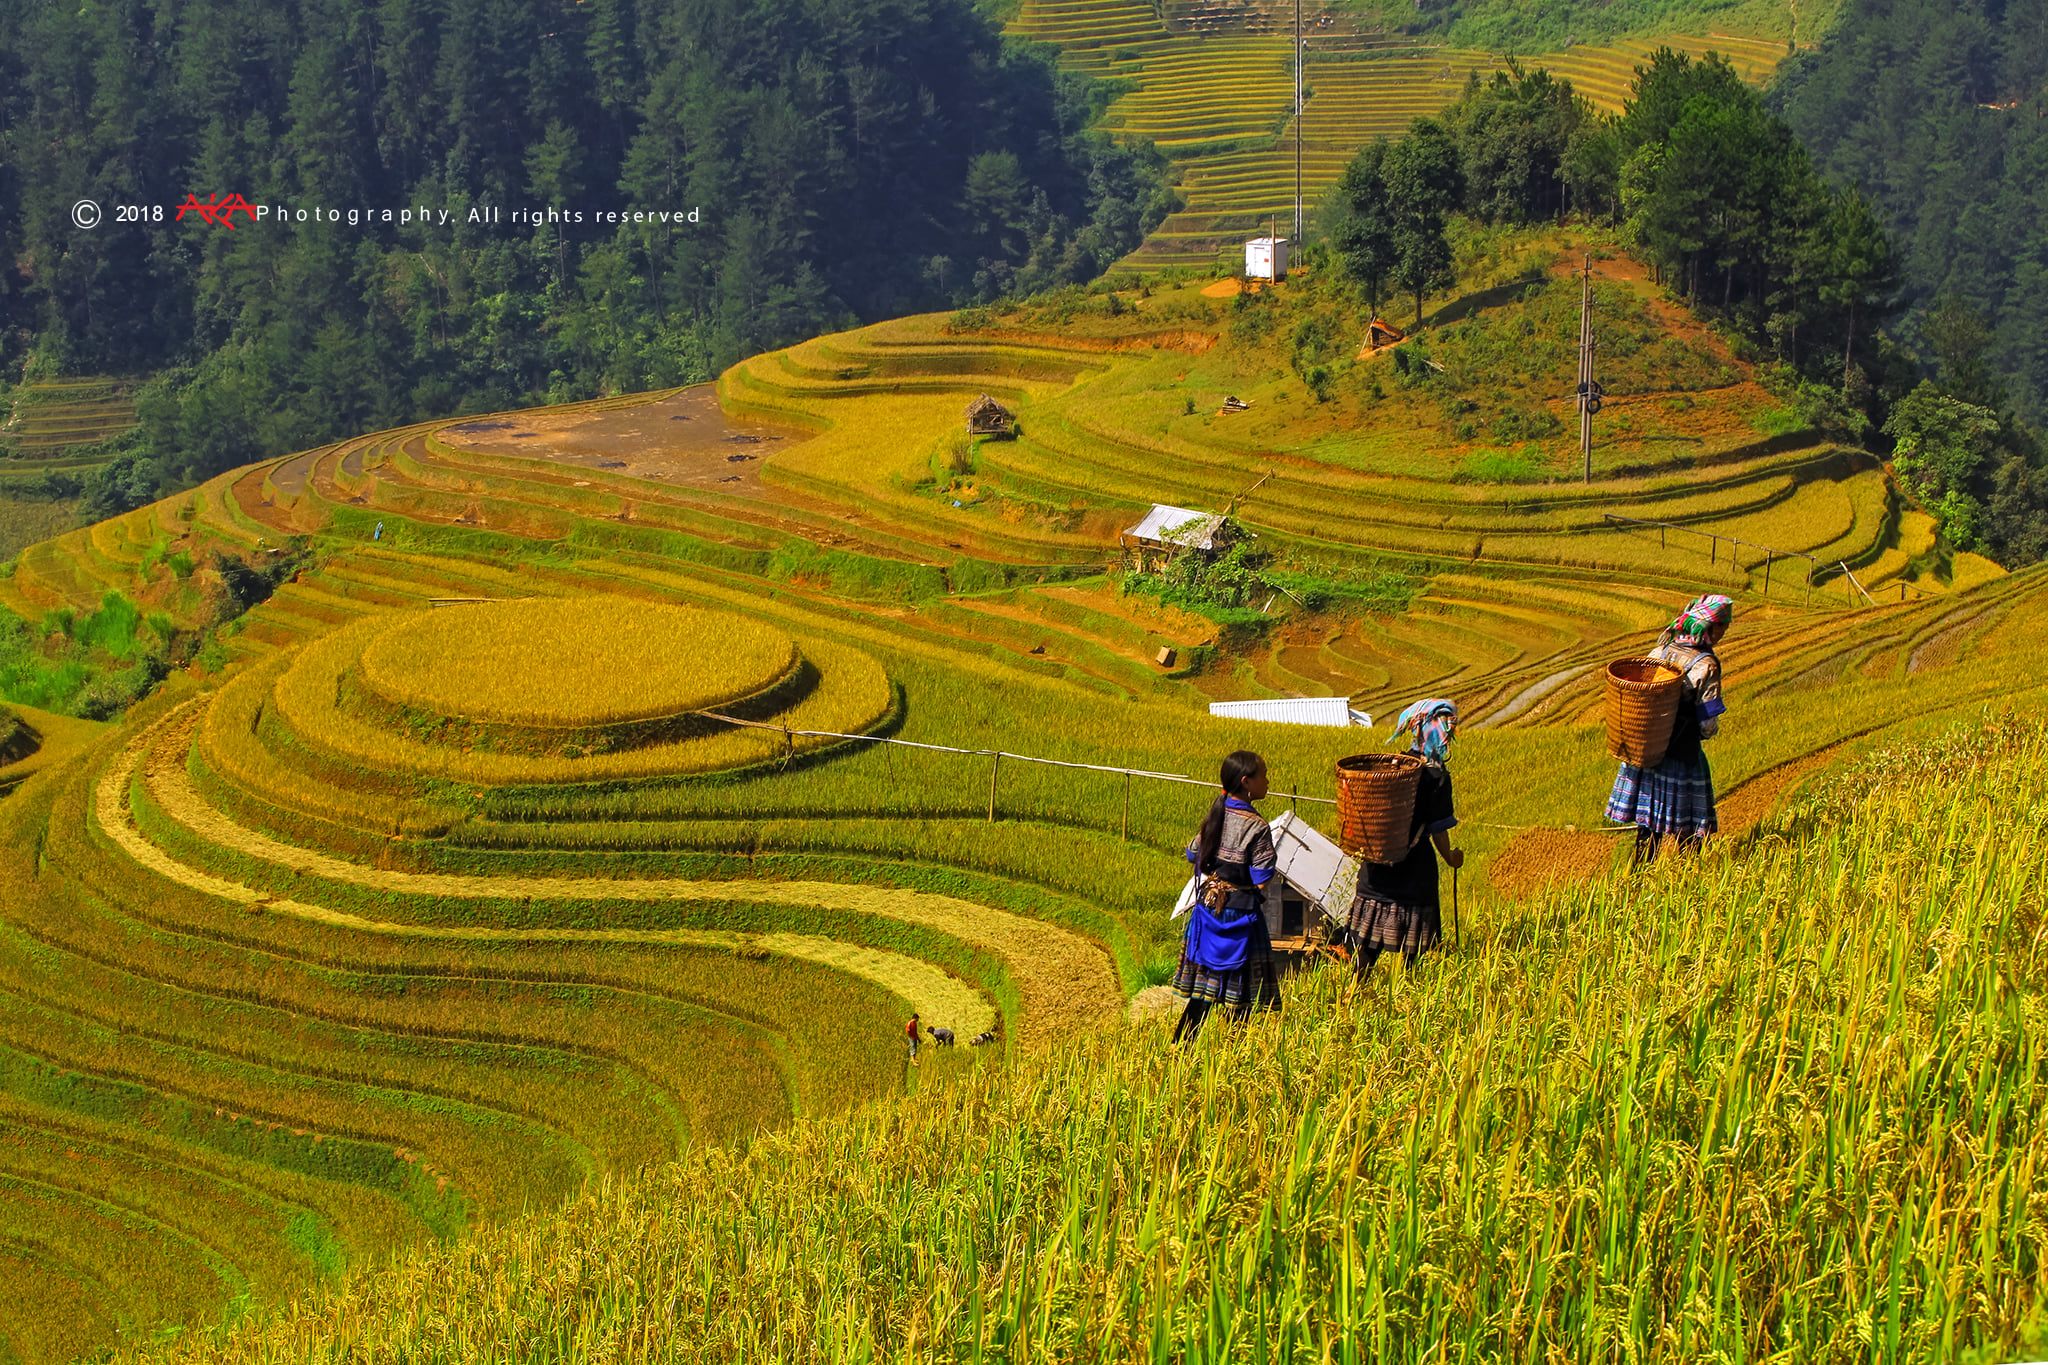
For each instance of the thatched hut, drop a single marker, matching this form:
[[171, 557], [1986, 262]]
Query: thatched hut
[[987, 417]]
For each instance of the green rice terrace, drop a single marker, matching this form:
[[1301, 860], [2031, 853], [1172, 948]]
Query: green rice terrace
[[486, 865], [1211, 84], [52, 433]]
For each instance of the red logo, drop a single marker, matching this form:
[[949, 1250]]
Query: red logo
[[219, 211]]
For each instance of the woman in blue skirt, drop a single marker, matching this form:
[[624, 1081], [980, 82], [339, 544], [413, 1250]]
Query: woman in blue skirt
[[1676, 797], [1227, 958]]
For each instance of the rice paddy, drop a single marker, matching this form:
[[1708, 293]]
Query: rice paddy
[[1215, 92], [397, 921], [1787, 1102]]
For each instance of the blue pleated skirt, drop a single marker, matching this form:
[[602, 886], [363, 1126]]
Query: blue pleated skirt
[[1675, 797]]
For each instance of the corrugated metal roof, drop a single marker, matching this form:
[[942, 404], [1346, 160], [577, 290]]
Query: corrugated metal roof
[[1321, 873], [1293, 711], [1196, 530]]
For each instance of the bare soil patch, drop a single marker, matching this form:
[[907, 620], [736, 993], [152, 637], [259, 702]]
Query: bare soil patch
[[685, 439]]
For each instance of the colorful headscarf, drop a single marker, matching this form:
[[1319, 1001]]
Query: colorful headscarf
[[1433, 722], [1700, 622]]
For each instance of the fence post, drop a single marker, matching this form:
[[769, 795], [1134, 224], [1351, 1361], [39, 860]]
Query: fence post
[[1127, 807], [1769, 560], [995, 771], [1660, 538]]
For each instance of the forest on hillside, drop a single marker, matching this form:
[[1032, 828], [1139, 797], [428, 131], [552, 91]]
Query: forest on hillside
[[1938, 109], [850, 162]]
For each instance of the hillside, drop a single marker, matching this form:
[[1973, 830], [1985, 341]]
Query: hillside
[[1759, 1107], [1212, 86], [365, 932]]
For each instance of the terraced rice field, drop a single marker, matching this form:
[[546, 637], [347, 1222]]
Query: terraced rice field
[[355, 945], [1214, 88]]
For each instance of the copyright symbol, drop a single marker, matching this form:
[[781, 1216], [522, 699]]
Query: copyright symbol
[[86, 214]]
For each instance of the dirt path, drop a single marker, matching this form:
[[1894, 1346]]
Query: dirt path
[[1065, 983]]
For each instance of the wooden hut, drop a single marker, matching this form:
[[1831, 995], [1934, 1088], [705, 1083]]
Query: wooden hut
[[987, 417], [1380, 334], [1166, 533]]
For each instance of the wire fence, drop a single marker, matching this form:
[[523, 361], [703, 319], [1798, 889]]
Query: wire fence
[[996, 758]]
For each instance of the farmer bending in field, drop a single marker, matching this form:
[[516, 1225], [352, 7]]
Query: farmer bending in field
[[1677, 796], [1397, 905], [1227, 958]]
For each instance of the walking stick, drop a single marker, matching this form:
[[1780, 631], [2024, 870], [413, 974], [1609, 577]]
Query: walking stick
[[1457, 939]]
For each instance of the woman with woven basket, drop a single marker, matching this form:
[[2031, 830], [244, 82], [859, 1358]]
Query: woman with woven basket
[[1676, 797], [1227, 958], [1397, 907]]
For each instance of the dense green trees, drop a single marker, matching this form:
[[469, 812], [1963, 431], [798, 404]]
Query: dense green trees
[[849, 162], [1713, 190], [1939, 110]]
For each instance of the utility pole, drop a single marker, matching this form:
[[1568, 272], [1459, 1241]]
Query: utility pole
[[1589, 388], [1299, 59]]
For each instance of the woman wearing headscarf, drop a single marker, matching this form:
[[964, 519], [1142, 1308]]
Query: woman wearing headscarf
[[1227, 958], [1396, 907], [1676, 797]]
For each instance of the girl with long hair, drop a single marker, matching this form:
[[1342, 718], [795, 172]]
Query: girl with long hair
[[1227, 958]]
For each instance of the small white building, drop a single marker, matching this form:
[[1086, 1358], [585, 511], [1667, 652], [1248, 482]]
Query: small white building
[[1333, 711], [1316, 878], [1265, 258]]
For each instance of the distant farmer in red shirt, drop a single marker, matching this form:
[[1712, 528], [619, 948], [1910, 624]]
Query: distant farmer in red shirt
[[910, 1032]]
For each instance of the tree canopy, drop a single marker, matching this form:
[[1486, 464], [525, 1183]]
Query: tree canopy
[[849, 162]]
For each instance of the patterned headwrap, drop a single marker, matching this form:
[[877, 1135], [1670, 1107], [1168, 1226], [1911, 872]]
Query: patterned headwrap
[[1700, 621], [1432, 722]]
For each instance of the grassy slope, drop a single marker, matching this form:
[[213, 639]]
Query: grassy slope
[[1787, 1100]]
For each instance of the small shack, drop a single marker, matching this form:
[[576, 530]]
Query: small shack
[[1330, 711], [1166, 533], [987, 417], [1316, 881], [1380, 334], [1266, 258]]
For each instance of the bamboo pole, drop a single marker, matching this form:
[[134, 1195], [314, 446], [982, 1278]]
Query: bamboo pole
[[995, 770]]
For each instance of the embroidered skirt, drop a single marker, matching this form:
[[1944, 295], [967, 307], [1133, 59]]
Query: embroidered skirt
[[1675, 797], [1389, 926], [1255, 984]]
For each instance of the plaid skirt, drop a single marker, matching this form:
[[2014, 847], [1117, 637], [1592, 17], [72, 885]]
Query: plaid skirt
[[1390, 926], [1256, 983], [1675, 797]]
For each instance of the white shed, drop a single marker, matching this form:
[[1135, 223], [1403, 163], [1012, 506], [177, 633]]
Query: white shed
[[1167, 531], [1315, 875], [1265, 258], [1333, 711]]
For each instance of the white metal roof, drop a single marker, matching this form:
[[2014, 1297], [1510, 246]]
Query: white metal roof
[[1266, 241], [1319, 872], [1195, 530], [1293, 711], [1313, 865]]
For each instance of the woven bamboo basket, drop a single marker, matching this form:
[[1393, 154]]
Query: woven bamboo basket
[[1376, 804], [1642, 703]]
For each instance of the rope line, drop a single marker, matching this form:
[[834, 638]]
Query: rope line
[[983, 753]]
